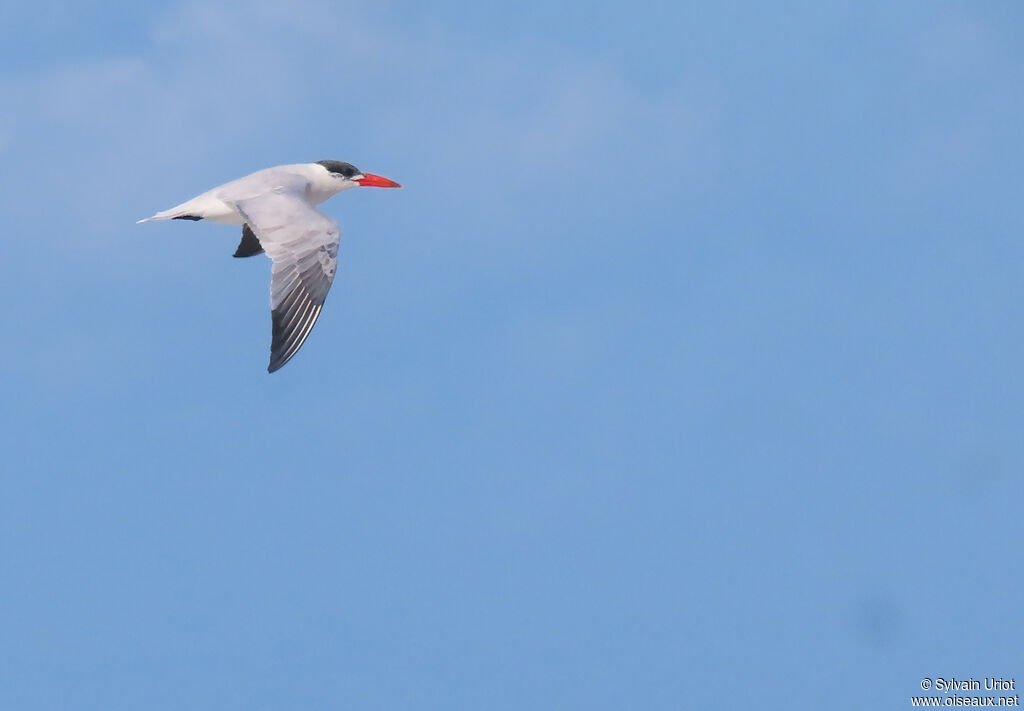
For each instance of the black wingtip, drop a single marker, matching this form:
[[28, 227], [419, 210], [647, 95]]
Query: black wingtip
[[291, 324], [194, 218]]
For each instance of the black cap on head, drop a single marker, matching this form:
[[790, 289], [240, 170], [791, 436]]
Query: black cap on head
[[341, 167]]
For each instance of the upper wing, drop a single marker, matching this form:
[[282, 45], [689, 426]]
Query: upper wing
[[303, 244]]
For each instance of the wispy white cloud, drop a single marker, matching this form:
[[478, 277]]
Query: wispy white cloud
[[262, 82]]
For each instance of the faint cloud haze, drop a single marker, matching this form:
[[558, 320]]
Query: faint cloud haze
[[218, 81], [877, 621]]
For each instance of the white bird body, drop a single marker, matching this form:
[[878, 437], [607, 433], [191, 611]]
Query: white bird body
[[276, 208], [218, 204]]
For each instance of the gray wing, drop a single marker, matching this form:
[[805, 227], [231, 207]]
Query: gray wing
[[303, 244]]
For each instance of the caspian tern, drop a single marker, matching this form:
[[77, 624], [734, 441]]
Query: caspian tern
[[276, 209]]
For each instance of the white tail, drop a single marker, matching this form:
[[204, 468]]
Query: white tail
[[165, 215]]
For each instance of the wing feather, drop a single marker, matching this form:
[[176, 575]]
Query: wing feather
[[303, 244]]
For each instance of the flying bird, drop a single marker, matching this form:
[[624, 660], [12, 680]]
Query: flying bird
[[276, 209]]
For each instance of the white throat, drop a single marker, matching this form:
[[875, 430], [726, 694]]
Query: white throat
[[324, 185]]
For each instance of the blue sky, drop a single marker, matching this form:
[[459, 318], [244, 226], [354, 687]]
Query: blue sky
[[683, 373]]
